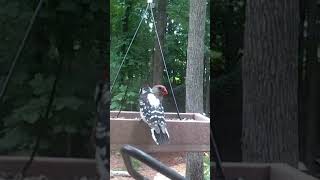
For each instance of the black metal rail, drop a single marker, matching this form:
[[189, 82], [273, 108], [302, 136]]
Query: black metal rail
[[128, 151]]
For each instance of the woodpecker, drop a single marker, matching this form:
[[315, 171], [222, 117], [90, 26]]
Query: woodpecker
[[102, 100], [152, 112]]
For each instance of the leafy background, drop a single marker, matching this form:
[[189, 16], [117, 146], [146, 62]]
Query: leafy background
[[136, 70], [64, 31]]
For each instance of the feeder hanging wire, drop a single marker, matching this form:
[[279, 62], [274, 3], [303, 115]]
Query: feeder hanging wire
[[164, 63], [162, 56], [124, 58]]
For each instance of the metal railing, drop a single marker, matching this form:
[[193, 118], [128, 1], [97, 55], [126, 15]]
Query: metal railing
[[129, 151]]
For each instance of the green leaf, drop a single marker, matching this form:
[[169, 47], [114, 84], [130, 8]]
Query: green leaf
[[40, 85], [12, 138], [85, 1], [89, 16], [136, 163], [206, 163], [11, 120], [29, 112], [57, 129], [130, 102], [12, 9], [20, 77], [38, 79], [118, 97], [67, 6], [216, 54], [114, 106], [131, 94], [70, 129], [122, 88], [44, 144], [31, 117], [94, 6], [68, 102]]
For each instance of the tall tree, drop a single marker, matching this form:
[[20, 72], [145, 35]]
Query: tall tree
[[270, 82], [161, 19], [194, 77], [312, 86], [125, 24]]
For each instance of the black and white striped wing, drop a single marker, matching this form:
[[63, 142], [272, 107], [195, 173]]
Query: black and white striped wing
[[153, 114]]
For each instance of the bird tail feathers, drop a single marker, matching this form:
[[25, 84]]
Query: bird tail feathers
[[161, 137]]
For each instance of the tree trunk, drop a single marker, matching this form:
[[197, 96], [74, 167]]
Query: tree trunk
[[128, 35], [301, 82], [194, 77], [161, 19], [207, 86], [270, 82], [125, 24], [313, 86]]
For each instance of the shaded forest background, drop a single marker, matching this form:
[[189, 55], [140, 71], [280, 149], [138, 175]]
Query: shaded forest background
[[143, 64], [228, 27], [66, 44]]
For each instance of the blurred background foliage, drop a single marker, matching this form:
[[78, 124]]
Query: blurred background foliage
[[137, 69], [67, 31]]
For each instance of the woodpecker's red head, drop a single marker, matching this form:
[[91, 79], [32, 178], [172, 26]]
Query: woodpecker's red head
[[160, 89]]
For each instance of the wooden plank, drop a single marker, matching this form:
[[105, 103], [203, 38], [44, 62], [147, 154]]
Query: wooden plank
[[263, 171], [166, 148], [53, 168], [135, 114], [280, 171], [247, 171], [185, 135], [201, 117]]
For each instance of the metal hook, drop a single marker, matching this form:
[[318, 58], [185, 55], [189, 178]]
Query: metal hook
[[152, 4]]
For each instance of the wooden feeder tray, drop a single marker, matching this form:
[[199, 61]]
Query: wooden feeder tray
[[191, 134]]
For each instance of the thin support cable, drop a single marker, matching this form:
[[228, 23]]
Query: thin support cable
[[219, 170], [23, 42], [122, 100], [164, 63], [114, 81]]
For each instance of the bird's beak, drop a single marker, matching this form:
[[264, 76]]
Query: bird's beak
[[165, 92]]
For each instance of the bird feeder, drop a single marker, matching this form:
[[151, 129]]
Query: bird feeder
[[191, 134]]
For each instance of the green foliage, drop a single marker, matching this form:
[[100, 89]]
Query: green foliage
[[40, 85], [136, 69], [70, 102], [136, 164], [229, 23], [123, 94], [67, 30], [225, 62], [14, 138], [206, 165]]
